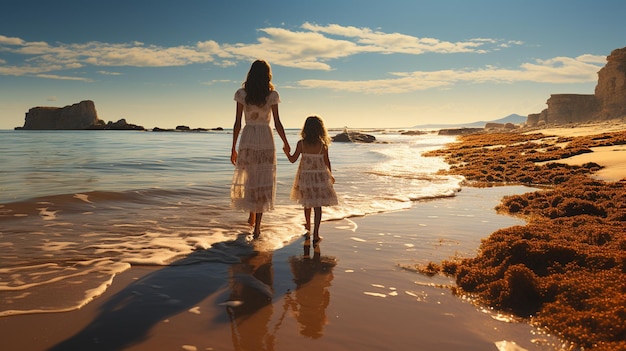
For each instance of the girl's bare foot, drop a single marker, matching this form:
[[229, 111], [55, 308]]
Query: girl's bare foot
[[317, 240]]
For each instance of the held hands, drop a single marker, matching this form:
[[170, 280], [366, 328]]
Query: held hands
[[287, 149], [233, 157]]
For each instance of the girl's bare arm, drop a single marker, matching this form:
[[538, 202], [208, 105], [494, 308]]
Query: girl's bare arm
[[293, 158]]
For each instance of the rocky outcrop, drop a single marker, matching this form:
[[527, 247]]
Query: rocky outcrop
[[353, 137], [186, 129], [500, 126], [608, 101], [413, 132], [571, 108], [77, 116], [119, 125]]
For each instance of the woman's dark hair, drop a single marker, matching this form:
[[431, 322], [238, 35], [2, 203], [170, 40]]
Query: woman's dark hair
[[258, 84], [314, 131]]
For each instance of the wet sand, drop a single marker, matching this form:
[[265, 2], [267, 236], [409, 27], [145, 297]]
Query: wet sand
[[352, 292], [349, 293]]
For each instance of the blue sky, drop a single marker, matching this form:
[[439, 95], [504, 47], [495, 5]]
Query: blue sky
[[359, 63]]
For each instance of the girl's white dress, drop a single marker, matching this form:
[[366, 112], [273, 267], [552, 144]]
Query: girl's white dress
[[254, 182], [313, 186]]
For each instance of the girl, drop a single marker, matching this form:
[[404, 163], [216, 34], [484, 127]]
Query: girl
[[254, 181], [313, 186]]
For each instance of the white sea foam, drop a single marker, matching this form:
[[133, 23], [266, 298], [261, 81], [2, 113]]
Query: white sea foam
[[147, 205]]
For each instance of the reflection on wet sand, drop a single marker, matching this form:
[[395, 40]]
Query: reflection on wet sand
[[250, 307], [313, 276]]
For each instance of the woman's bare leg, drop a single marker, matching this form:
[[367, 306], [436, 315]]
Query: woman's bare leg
[[257, 223], [307, 219]]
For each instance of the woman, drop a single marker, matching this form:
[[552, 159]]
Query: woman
[[254, 181]]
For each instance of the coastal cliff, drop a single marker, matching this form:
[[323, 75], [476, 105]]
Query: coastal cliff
[[611, 88], [608, 101]]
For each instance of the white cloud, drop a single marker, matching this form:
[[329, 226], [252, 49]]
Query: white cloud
[[376, 41], [42, 57], [54, 76], [592, 59], [582, 69], [107, 73], [219, 81], [4, 40], [311, 48], [305, 50]]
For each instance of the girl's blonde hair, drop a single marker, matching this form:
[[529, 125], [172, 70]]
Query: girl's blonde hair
[[314, 131], [258, 84]]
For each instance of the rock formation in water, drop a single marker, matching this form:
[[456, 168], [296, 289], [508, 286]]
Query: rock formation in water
[[78, 116], [609, 100], [353, 137]]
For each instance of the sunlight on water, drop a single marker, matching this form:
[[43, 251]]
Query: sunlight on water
[[79, 207]]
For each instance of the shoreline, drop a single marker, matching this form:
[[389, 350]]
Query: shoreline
[[353, 292], [364, 299]]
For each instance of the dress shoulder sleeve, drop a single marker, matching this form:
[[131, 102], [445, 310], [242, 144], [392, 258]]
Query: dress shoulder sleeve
[[273, 98], [240, 96]]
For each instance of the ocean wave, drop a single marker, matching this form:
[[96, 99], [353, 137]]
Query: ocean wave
[[160, 208]]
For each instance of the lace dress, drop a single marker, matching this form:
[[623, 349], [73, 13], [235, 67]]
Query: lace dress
[[313, 186], [254, 181]]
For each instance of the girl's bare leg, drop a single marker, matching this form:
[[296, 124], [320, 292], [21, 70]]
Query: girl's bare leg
[[251, 219], [257, 224], [307, 219], [317, 220]]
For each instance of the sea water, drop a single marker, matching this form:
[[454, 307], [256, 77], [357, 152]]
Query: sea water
[[78, 207]]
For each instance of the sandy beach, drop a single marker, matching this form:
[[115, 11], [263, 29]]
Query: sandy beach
[[350, 293], [612, 158], [357, 290]]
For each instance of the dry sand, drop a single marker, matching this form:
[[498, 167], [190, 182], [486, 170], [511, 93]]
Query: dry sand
[[612, 158], [363, 302]]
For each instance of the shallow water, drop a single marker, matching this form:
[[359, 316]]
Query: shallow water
[[77, 207]]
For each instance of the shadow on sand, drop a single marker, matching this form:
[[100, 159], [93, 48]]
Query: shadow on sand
[[128, 316]]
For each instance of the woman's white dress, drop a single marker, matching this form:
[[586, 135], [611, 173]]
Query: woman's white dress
[[313, 186], [254, 181]]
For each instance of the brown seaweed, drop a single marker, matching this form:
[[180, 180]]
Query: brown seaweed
[[565, 269]]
